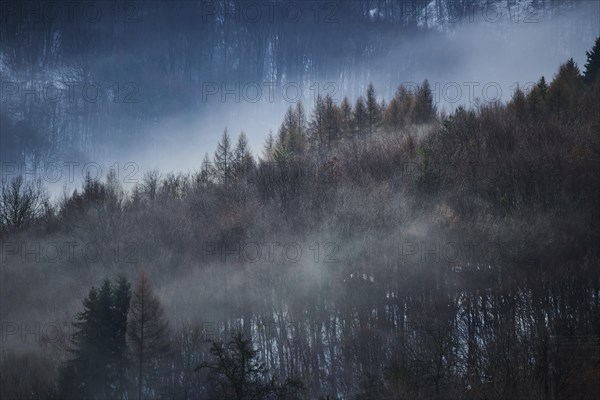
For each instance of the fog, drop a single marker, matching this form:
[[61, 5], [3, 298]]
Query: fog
[[471, 55], [478, 60]]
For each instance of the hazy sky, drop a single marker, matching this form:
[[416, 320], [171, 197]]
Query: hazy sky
[[484, 59]]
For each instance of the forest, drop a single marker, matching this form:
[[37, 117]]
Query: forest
[[373, 250]]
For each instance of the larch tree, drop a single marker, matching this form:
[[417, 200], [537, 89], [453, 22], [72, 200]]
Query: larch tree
[[346, 117], [147, 330], [268, 148], [373, 110], [297, 138], [121, 296], [317, 123], [425, 108], [536, 99], [406, 99], [392, 120], [286, 131], [300, 115], [206, 171], [360, 117], [243, 162], [565, 91], [223, 159], [332, 120]]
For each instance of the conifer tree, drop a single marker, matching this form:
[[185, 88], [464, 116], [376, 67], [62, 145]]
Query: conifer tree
[[565, 91], [346, 117], [317, 124], [97, 369], [536, 99], [360, 118], [332, 120], [206, 171], [592, 64], [406, 100], [243, 162], [121, 298], [147, 331], [393, 116], [373, 111], [425, 108], [297, 138], [268, 148], [236, 373], [223, 159]]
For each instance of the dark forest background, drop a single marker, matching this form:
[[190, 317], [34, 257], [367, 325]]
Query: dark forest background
[[96, 81]]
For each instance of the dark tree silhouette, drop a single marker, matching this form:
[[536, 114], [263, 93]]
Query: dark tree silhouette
[[236, 373], [147, 331]]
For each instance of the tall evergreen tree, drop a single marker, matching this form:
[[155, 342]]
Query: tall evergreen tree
[[592, 64], [97, 369]]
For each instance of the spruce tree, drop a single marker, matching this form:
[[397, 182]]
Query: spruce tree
[[592, 64], [97, 368]]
